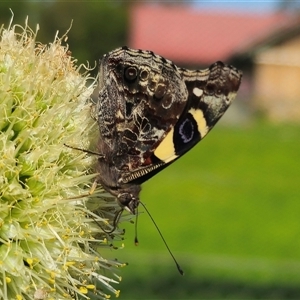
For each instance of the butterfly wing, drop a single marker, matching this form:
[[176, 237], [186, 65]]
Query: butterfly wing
[[142, 96], [151, 112]]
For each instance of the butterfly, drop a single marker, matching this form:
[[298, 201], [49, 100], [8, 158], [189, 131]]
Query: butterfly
[[151, 112]]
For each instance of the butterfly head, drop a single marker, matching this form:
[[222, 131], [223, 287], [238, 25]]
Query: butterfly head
[[129, 198]]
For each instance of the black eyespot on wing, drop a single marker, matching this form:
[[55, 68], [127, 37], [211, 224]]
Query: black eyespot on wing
[[130, 73], [186, 134], [186, 131]]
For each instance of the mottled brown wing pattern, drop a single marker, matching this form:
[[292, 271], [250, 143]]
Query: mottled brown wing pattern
[[150, 112], [145, 98]]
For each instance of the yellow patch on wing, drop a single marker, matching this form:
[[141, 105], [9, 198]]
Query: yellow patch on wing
[[166, 150], [200, 120]]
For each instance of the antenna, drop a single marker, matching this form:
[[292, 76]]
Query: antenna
[[119, 213], [136, 240]]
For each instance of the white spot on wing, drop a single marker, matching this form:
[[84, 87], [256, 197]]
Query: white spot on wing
[[197, 92]]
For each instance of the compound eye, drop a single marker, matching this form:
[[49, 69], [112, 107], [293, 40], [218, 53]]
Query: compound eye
[[128, 201], [124, 198], [130, 73]]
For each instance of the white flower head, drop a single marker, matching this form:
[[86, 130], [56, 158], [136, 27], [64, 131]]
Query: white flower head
[[49, 243]]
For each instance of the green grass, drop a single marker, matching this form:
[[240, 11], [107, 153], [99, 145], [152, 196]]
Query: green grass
[[229, 210]]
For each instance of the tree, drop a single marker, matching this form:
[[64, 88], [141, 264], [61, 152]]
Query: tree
[[289, 5], [97, 26]]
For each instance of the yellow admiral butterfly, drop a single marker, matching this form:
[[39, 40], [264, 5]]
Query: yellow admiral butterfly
[[150, 112]]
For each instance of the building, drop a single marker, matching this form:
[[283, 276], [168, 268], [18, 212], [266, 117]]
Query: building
[[265, 46]]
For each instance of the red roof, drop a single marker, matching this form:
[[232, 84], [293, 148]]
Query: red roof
[[192, 36]]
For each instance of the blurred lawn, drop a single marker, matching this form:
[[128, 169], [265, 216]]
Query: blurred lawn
[[229, 210]]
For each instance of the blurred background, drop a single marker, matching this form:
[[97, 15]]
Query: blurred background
[[230, 208]]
